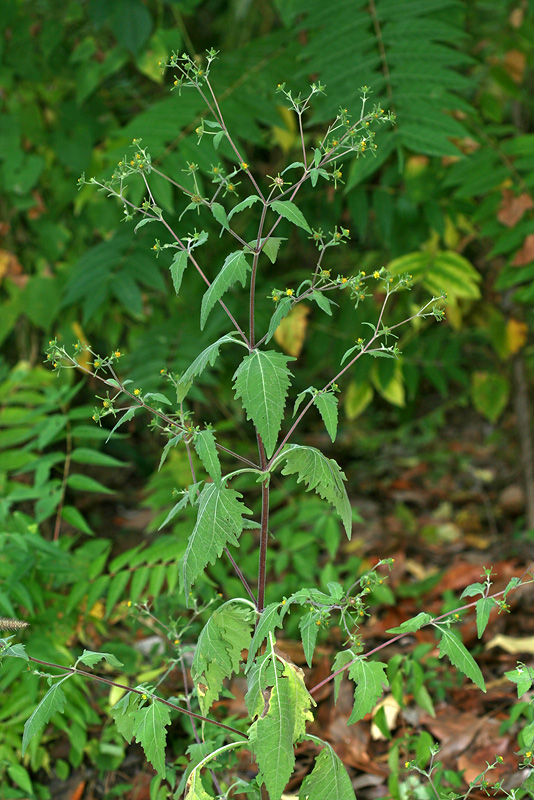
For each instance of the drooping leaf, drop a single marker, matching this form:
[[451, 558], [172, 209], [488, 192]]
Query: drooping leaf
[[53, 702], [291, 212], [195, 788], [273, 735], [246, 203], [124, 714], [218, 651], [220, 214], [329, 779], [151, 722], [270, 620], [262, 381], [484, 608], [219, 523], [178, 265], [235, 268], [451, 646], [413, 624], [85, 483], [370, 679], [179, 506], [324, 303], [282, 310], [207, 356], [205, 446], [321, 474], [170, 444], [309, 628], [327, 404], [91, 658]]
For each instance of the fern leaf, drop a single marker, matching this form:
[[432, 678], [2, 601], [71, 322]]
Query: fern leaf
[[262, 381], [321, 474], [219, 522], [235, 268]]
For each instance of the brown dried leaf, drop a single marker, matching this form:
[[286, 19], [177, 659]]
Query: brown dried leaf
[[291, 332], [525, 254], [513, 207]]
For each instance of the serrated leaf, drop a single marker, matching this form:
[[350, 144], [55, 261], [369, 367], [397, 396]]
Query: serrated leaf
[[483, 607], [270, 620], [158, 397], [195, 788], [342, 658], [273, 735], [327, 404], [126, 417], [246, 203], [144, 222], [220, 214], [262, 381], [207, 356], [370, 679], [219, 523], [460, 656], [329, 779], [123, 712], [178, 265], [291, 212], [218, 651], [413, 624], [235, 268], [52, 703], [282, 310], [308, 631], [323, 302], [91, 658], [321, 474], [206, 449], [150, 733], [523, 677]]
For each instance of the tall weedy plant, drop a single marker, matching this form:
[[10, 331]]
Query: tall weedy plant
[[278, 701]]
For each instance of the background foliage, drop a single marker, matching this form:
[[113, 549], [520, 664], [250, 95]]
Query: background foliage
[[448, 199]]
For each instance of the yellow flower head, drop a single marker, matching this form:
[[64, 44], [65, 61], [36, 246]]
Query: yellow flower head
[[289, 292], [117, 353], [376, 274], [137, 392]]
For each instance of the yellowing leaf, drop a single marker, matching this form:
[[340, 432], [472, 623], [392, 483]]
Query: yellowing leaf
[[357, 398], [516, 335], [512, 644], [285, 137], [393, 390], [291, 332]]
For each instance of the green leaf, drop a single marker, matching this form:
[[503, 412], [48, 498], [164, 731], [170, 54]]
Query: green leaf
[[86, 484], [207, 356], [270, 620], [473, 589], [220, 214], [195, 789], [271, 247], [52, 703], [282, 310], [308, 630], [91, 658], [180, 505], [219, 523], [327, 402], [246, 203], [218, 650], [484, 608], [323, 302], [86, 455], [321, 474], [413, 624], [73, 517], [124, 714], [126, 417], [523, 677], [150, 732], [170, 444], [490, 393], [262, 381], [451, 646], [291, 212], [205, 446], [235, 268], [329, 779], [370, 679], [178, 265], [283, 721]]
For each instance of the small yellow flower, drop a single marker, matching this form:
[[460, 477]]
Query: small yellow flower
[[456, 616], [132, 162], [318, 622], [106, 403], [97, 363], [144, 696], [244, 165], [162, 372], [343, 280], [376, 274], [335, 143], [363, 273], [117, 353], [141, 165], [176, 641], [528, 754], [94, 417], [215, 170], [276, 298], [138, 155], [359, 340], [289, 292], [176, 83], [231, 187], [137, 392], [129, 603], [406, 764]]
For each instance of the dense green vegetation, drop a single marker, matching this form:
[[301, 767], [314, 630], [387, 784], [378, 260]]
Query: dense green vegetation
[[447, 198]]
